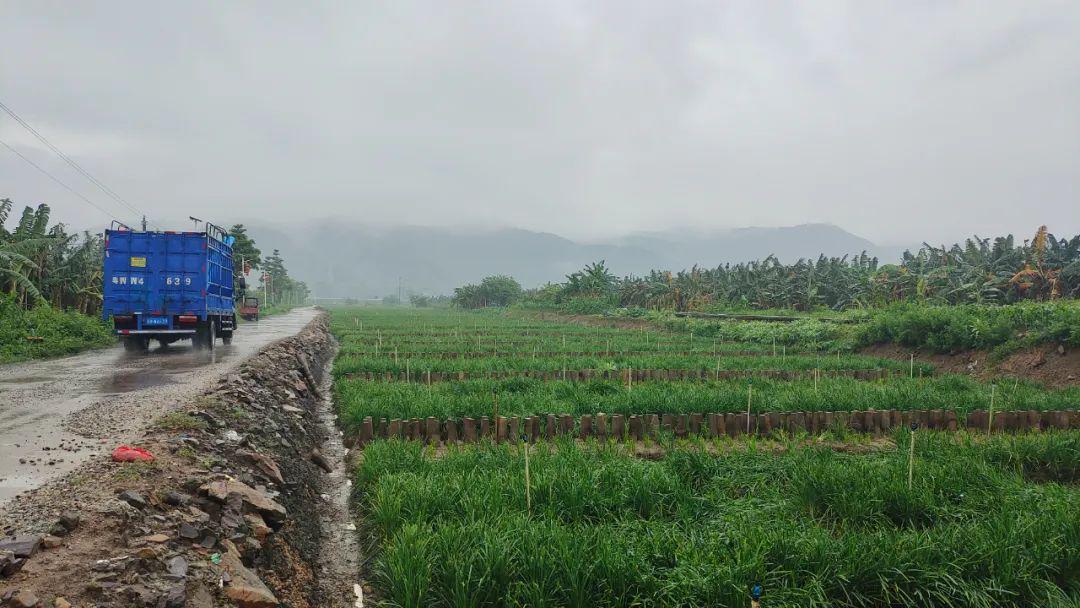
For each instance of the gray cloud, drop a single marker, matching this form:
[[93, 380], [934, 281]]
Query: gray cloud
[[898, 121]]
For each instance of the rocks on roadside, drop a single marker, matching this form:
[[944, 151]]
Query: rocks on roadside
[[24, 599], [245, 587], [133, 498], [9, 564], [320, 460], [221, 489], [23, 546]]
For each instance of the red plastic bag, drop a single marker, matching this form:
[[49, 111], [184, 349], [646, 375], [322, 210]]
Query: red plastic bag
[[127, 453]]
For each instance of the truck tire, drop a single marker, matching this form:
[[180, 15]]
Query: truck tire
[[226, 338], [136, 344], [205, 335]]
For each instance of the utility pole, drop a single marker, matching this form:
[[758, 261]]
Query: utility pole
[[144, 223], [399, 294]]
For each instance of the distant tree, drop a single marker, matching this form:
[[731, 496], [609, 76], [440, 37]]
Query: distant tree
[[391, 300], [500, 290], [497, 290], [244, 250], [419, 300], [595, 280]]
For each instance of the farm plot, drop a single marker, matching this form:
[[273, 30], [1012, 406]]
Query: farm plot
[[827, 519], [813, 527], [416, 345]]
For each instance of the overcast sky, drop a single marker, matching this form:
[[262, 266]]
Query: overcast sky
[[902, 121]]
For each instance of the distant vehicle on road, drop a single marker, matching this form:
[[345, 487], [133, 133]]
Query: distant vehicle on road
[[249, 309], [169, 286]]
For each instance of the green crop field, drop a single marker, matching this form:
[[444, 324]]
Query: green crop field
[[828, 520]]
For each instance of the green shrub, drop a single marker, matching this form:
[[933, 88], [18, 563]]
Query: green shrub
[[60, 333], [945, 329]]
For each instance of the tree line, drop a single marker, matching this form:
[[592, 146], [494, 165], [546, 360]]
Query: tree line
[[978, 271]]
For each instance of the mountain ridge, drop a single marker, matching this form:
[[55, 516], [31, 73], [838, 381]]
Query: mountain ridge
[[367, 261]]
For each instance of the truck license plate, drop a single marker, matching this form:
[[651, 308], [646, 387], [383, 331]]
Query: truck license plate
[[155, 321]]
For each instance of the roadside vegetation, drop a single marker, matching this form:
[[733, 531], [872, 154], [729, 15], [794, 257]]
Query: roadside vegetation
[[43, 331], [826, 520]]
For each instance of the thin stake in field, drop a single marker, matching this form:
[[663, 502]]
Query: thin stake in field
[[911, 457], [749, 398], [528, 492], [912, 373], [990, 417]]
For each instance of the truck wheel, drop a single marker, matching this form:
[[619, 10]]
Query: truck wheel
[[226, 338], [204, 336], [136, 344]]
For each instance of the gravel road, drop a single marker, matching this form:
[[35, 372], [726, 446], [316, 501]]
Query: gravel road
[[56, 414]]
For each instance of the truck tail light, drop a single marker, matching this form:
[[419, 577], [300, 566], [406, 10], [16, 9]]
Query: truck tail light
[[185, 319]]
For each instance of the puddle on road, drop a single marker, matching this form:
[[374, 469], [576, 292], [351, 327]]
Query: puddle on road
[[161, 366]]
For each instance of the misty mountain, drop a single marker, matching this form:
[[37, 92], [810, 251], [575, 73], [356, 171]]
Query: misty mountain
[[347, 259]]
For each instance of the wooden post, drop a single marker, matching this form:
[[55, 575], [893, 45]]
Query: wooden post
[[990, 418], [366, 431], [618, 427], [566, 426]]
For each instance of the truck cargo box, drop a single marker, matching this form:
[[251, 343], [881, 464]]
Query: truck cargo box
[[169, 285]]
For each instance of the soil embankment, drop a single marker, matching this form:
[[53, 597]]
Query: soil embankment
[[229, 512], [1052, 365]]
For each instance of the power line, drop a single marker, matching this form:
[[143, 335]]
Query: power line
[[70, 162], [57, 180]]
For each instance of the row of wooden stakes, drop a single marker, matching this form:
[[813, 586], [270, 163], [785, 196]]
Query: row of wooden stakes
[[386, 352], [652, 426], [625, 375]]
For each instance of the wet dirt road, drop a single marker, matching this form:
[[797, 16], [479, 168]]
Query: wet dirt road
[[56, 414]]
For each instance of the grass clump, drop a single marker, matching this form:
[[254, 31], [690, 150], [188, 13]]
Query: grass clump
[[180, 421]]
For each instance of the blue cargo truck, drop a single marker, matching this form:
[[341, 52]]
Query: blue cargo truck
[[169, 286]]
